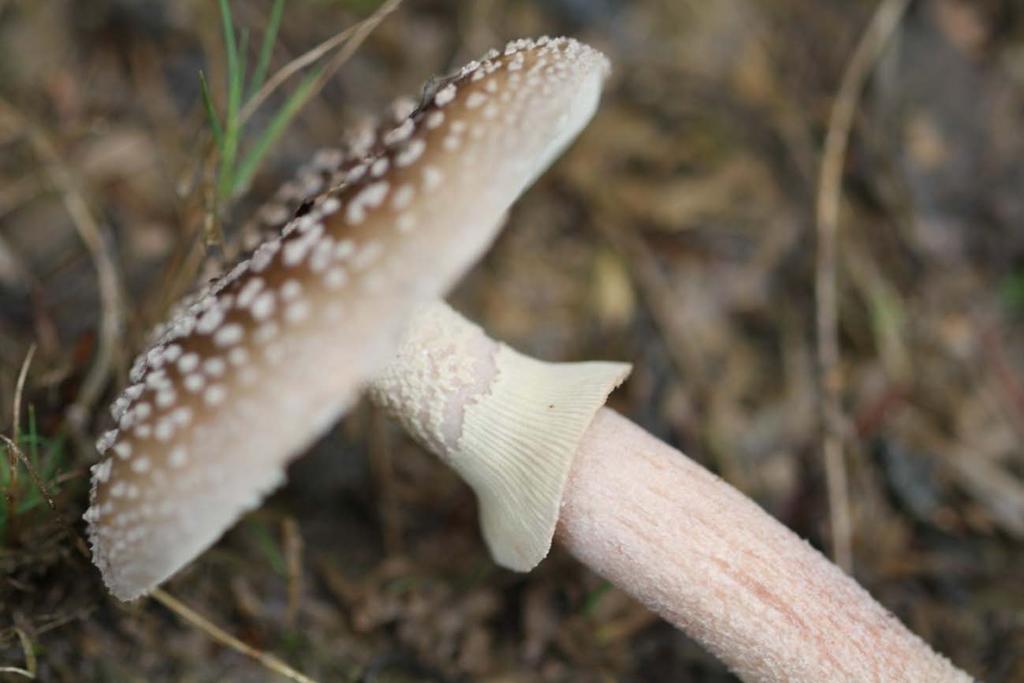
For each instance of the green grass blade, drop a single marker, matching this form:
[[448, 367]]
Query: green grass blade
[[268, 545], [593, 599], [277, 125], [267, 47], [243, 52], [211, 112], [1013, 292], [229, 149], [231, 48]]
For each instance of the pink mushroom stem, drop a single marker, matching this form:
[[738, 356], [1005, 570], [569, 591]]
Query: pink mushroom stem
[[655, 523], [710, 561]]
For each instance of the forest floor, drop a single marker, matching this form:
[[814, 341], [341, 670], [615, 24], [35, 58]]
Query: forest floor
[[678, 234]]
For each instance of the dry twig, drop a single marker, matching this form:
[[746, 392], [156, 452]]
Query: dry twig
[[293, 545], [869, 49], [382, 471], [357, 33], [36, 479], [12, 480], [29, 671], [220, 635], [91, 234]]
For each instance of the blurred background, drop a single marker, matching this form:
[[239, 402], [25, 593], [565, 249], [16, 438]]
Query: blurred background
[[679, 234]]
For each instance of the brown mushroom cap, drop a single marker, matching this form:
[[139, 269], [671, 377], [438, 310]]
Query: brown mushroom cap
[[266, 358]]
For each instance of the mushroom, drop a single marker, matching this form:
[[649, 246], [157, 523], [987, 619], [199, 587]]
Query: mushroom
[[653, 522], [258, 364], [261, 348]]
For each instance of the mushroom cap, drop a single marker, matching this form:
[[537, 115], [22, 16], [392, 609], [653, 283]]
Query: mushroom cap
[[262, 361]]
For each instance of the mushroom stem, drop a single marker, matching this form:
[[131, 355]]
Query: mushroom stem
[[658, 525], [507, 423], [713, 563]]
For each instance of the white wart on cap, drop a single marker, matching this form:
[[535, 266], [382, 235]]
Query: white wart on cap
[[267, 357]]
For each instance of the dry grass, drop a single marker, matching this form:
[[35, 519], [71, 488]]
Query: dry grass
[[862, 62]]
